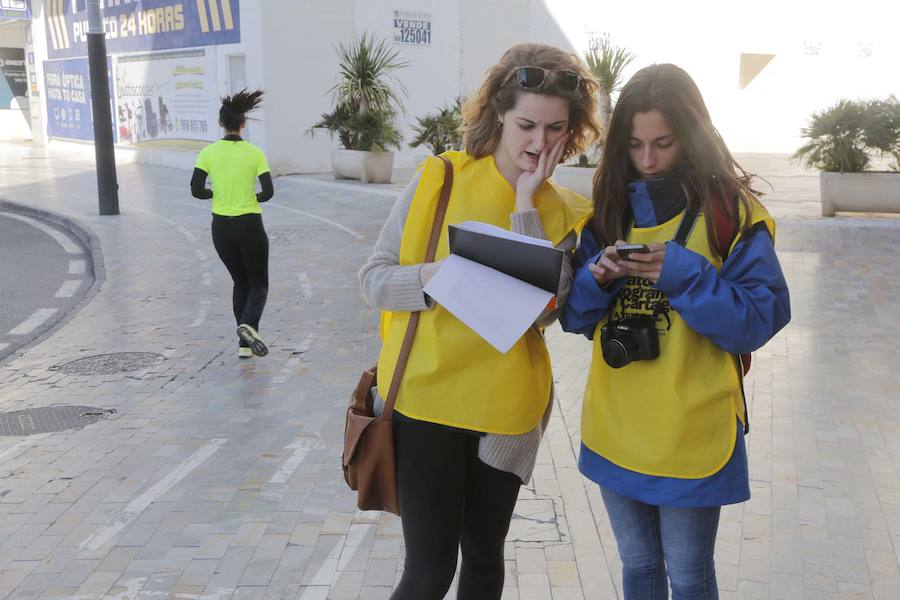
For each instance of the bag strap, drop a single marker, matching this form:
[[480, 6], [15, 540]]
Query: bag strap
[[405, 348], [686, 226], [726, 226]]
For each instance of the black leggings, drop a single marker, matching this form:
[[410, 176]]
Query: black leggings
[[243, 246], [449, 500]]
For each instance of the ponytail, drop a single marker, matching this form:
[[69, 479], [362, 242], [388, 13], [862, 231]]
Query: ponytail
[[232, 115]]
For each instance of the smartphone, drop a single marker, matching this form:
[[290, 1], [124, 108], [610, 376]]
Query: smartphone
[[624, 250]]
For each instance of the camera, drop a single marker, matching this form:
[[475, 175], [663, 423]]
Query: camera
[[629, 339]]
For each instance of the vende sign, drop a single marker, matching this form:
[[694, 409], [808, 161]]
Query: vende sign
[[412, 28]]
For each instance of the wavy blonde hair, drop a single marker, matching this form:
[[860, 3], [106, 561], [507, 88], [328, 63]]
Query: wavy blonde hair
[[481, 112]]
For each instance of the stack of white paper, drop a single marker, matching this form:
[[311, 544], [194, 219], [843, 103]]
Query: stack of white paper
[[498, 307]]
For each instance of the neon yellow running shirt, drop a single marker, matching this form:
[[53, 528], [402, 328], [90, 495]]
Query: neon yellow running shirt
[[233, 167]]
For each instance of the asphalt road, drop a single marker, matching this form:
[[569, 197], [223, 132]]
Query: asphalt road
[[44, 272]]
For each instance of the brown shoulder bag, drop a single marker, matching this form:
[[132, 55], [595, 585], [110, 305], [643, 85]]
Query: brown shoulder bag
[[368, 459]]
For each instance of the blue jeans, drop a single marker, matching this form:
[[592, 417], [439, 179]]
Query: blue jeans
[[654, 540]]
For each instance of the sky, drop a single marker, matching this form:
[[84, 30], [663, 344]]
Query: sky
[[824, 51]]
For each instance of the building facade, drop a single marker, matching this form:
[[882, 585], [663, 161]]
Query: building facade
[[171, 60]]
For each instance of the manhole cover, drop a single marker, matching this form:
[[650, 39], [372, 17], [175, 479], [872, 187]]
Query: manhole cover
[[109, 364], [49, 419]]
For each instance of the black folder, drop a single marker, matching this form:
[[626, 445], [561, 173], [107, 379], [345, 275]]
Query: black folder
[[538, 265]]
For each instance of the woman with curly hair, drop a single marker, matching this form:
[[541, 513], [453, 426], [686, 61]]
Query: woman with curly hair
[[467, 419]]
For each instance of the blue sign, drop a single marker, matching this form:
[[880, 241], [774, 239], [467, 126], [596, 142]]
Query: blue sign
[[15, 9], [67, 87], [141, 25], [13, 79]]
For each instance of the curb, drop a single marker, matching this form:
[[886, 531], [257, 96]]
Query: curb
[[87, 238]]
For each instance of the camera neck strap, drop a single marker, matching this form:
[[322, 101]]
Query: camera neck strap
[[688, 219], [686, 226]]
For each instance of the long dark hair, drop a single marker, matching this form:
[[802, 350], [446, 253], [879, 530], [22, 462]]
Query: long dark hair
[[709, 172], [234, 109]]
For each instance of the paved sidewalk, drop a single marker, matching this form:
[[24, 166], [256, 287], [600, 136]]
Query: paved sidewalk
[[220, 479]]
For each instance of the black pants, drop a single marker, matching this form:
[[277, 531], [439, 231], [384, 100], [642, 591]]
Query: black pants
[[243, 246], [449, 500]]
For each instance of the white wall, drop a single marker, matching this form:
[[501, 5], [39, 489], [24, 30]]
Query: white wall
[[251, 48], [299, 64], [14, 124], [488, 29], [290, 51]]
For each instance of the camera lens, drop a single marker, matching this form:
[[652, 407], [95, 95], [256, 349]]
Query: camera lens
[[615, 353]]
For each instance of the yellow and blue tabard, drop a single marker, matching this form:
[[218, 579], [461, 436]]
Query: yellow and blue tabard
[[676, 415], [453, 376], [233, 166]]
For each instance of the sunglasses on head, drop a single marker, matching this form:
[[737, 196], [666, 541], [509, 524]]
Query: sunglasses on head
[[532, 78]]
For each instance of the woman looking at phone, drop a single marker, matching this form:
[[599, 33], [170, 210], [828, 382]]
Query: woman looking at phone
[[664, 413]]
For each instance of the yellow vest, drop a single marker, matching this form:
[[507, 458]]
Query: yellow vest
[[453, 376], [673, 416]]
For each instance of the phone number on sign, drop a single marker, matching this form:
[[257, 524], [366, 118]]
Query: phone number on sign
[[409, 35], [193, 125]]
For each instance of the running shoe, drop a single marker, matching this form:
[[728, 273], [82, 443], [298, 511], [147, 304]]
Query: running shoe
[[244, 352], [252, 339]]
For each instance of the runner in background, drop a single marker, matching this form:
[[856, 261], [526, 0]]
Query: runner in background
[[238, 234]]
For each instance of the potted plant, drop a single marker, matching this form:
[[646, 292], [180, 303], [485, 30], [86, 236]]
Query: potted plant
[[607, 63], [366, 99], [366, 138], [441, 131], [842, 140]]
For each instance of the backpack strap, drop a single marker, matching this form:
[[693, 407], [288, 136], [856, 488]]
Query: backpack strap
[[726, 226], [726, 232]]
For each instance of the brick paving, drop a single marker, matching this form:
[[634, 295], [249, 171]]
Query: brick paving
[[219, 479]]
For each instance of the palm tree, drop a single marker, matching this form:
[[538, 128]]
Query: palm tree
[[607, 62], [843, 137], [365, 66], [440, 132], [367, 96]]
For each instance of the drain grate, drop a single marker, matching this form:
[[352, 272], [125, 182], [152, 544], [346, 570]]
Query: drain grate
[[50, 418], [110, 364]]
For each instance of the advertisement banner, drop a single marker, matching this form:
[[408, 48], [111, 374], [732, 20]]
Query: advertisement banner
[[68, 91], [15, 9], [13, 79], [143, 25], [167, 96]]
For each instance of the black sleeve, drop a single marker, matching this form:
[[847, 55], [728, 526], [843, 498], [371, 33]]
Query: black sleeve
[[265, 180], [198, 185]]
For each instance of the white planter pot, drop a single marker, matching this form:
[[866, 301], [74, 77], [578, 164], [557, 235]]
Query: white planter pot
[[577, 179], [346, 164], [859, 192], [377, 167], [368, 167]]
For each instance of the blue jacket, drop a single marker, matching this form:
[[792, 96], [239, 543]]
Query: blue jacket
[[739, 308]]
